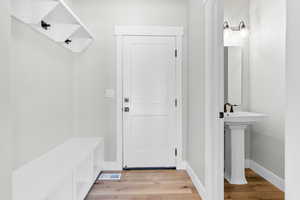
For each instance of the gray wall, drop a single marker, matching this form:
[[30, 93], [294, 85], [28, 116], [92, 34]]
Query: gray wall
[[57, 95], [5, 116], [196, 136], [267, 82], [95, 70], [235, 11], [42, 98]]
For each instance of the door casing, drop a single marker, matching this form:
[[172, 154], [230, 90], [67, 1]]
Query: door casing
[[123, 31], [214, 99]]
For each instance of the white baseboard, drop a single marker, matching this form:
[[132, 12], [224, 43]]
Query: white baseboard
[[181, 165], [267, 174], [196, 181], [112, 166]]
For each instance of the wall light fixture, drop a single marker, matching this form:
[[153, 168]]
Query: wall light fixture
[[242, 28]]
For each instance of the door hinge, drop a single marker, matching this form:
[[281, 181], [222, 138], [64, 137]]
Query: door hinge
[[176, 103], [176, 152], [176, 53]]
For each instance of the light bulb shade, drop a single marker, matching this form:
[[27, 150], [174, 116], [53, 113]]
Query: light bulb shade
[[227, 32], [242, 25], [226, 25], [243, 29], [244, 32]]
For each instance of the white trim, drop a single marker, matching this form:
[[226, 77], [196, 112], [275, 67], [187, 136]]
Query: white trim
[[267, 174], [181, 165], [122, 31], [119, 102], [197, 182], [111, 166], [214, 99], [179, 82], [149, 30]]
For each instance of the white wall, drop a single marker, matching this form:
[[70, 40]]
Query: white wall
[[95, 70], [293, 101], [196, 136], [267, 82], [5, 111], [235, 11], [42, 74]]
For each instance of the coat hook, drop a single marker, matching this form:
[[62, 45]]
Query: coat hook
[[45, 25], [68, 41]]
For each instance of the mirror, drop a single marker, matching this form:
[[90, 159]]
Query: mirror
[[233, 75]]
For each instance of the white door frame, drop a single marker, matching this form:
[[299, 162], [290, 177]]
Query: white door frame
[[123, 31], [214, 99]]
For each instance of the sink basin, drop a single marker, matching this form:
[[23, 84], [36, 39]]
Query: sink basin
[[243, 118]]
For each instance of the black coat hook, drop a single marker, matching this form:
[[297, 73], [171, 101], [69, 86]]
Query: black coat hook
[[68, 41], [45, 25]]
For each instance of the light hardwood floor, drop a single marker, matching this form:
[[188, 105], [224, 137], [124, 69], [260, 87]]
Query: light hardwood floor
[[176, 185], [146, 185], [256, 189]]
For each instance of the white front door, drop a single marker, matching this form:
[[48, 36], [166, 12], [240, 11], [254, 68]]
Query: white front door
[[149, 102]]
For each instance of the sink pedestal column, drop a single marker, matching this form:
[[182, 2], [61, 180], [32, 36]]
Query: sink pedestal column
[[235, 154]]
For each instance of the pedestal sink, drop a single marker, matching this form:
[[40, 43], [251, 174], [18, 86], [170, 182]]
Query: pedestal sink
[[235, 126]]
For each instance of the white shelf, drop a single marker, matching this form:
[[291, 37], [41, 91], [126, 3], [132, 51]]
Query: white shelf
[[78, 44], [63, 22], [41, 9], [32, 11], [79, 41], [58, 32], [66, 166]]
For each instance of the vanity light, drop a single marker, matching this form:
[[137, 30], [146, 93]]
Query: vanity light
[[242, 28], [227, 28], [226, 25]]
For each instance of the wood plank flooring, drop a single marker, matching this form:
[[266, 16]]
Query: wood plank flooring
[[256, 189], [146, 185], [176, 185]]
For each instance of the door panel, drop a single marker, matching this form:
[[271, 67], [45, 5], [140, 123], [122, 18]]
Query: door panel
[[149, 71]]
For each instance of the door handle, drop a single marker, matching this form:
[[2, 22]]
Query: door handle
[[126, 109]]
